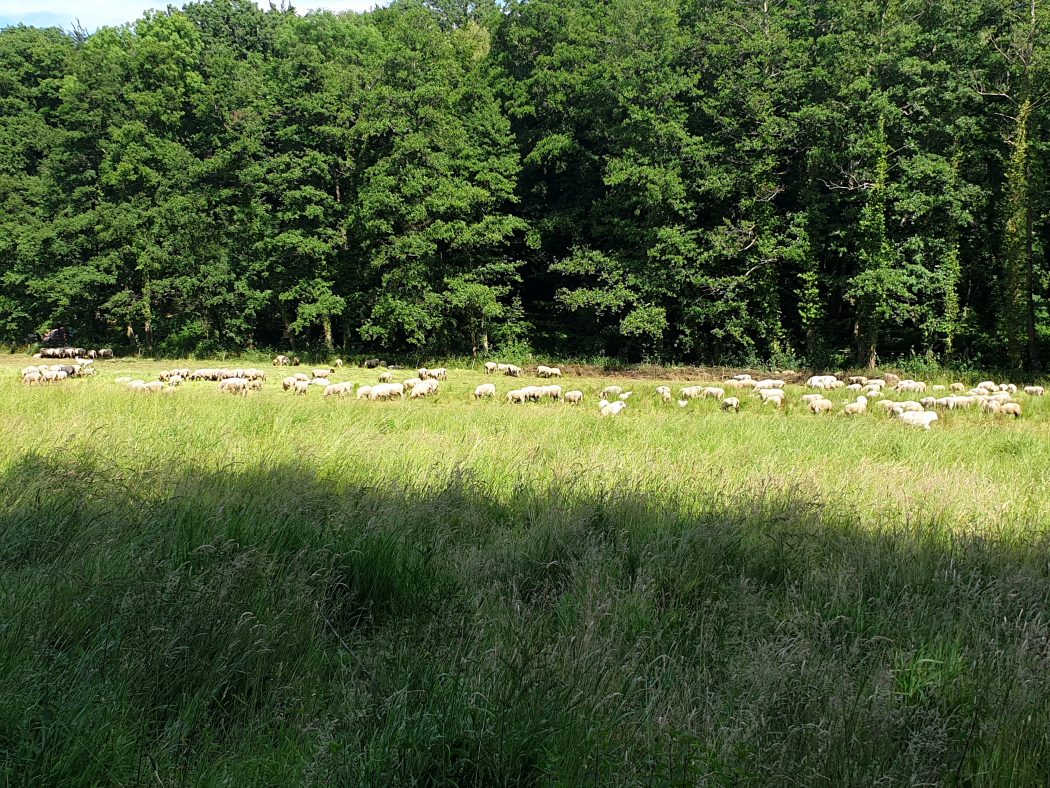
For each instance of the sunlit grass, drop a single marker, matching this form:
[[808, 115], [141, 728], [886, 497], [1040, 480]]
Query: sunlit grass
[[205, 587]]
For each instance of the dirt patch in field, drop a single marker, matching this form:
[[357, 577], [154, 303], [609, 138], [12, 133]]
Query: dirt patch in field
[[651, 372]]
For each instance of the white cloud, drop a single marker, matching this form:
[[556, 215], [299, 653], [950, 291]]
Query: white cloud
[[97, 13]]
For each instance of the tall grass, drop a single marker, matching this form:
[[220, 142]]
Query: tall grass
[[203, 588]]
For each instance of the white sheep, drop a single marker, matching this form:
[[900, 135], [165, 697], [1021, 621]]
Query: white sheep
[[626, 395], [233, 386], [553, 392], [364, 392], [484, 390], [742, 377], [491, 367], [689, 392], [768, 394], [320, 382], [574, 396], [516, 395], [606, 408], [425, 389], [958, 387], [917, 419], [908, 406], [440, 373], [1034, 391], [731, 403], [611, 391], [513, 371], [288, 382], [385, 377], [301, 387], [338, 389], [712, 391], [768, 384], [821, 405], [857, 408], [775, 400], [1011, 409]]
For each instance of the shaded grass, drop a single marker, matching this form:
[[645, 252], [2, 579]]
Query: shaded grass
[[203, 589]]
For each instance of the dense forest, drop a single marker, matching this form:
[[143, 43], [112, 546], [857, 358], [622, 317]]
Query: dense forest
[[746, 181]]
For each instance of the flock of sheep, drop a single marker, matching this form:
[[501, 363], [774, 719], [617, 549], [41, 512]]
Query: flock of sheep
[[989, 396]]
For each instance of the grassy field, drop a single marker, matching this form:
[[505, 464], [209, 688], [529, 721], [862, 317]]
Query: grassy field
[[202, 588]]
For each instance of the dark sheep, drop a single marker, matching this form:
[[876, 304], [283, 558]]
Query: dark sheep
[[372, 363]]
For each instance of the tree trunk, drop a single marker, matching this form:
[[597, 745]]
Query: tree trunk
[[1033, 337], [289, 336], [326, 324]]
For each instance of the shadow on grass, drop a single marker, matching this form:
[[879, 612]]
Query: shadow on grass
[[268, 625]]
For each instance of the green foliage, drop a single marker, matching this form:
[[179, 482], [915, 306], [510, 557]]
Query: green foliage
[[694, 180]]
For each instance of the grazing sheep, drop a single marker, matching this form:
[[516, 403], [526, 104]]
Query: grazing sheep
[[611, 391], [988, 385], [1011, 409], [858, 380], [575, 397], [945, 403], [234, 386], [502, 368], [517, 395], [491, 367], [991, 406], [808, 398], [682, 403], [689, 392], [440, 373], [928, 402], [731, 403], [821, 405], [958, 387], [513, 371], [552, 392], [385, 377], [175, 380], [937, 388], [767, 394], [912, 386], [424, 388], [364, 392], [288, 382], [857, 408], [626, 395], [484, 390], [372, 363], [733, 383], [320, 382], [742, 377], [1034, 391], [338, 389], [908, 406], [776, 401], [337, 363], [768, 384], [548, 372], [713, 392], [664, 392], [823, 382], [321, 373], [606, 408], [408, 384], [301, 387], [916, 419], [854, 387], [282, 361]]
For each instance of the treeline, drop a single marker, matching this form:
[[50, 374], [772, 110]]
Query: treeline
[[744, 181]]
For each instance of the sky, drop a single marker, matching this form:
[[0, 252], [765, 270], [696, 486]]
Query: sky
[[94, 14]]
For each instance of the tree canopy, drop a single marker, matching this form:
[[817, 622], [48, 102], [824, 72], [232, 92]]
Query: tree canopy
[[735, 181]]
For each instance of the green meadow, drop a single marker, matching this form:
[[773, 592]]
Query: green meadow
[[211, 589]]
